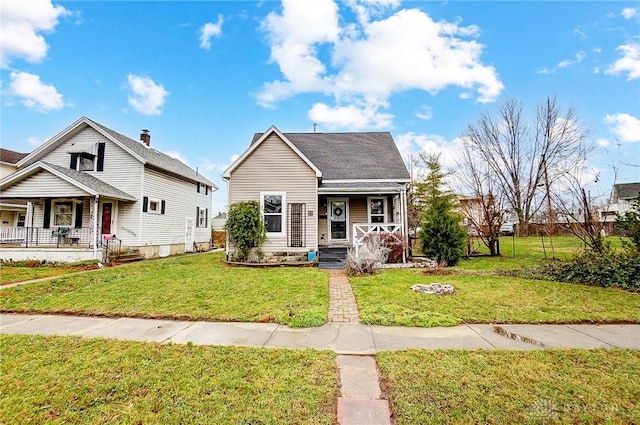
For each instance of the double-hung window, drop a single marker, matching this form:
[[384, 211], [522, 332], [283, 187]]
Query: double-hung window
[[272, 206], [377, 210], [63, 213]]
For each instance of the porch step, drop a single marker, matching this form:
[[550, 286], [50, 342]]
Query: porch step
[[128, 256], [331, 258]]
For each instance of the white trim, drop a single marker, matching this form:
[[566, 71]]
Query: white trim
[[254, 146], [329, 220], [283, 212], [158, 202], [360, 191], [385, 209]]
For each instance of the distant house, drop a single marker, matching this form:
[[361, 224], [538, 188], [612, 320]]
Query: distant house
[[321, 190], [218, 222], [622, 197], [90, 186], [14, 213]]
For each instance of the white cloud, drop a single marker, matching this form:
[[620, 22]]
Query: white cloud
[[424, 112], [21, 25], [365, 63], [577, 30], [146, 97], [603, 143], [411, 145], [629, 12], [34, 93], [626, 127], [349, 117], [177, 155], [630, 61], [578, 58], [34, 141], [210, 30]]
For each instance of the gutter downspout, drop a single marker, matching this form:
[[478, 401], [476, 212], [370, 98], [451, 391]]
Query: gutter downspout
[[96, 204]]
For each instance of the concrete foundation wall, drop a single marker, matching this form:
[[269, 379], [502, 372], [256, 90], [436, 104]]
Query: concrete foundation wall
[[65, 255]]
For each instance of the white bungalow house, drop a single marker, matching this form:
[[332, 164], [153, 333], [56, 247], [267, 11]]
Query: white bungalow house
[[322, 192], [91, 189]]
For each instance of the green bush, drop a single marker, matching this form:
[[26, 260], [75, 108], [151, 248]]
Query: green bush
[[609, 269], [245, 228]]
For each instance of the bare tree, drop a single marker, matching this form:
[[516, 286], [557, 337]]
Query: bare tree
[[484, 206], [523, 158]]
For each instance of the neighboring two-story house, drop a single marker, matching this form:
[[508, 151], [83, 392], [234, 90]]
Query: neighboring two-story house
[[622, 197], [321, 191], [12, 214], [89, 185]]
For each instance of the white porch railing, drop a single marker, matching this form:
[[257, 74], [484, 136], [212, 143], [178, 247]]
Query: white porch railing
[[363, 230]]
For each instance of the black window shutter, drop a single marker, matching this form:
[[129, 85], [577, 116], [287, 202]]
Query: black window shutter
[[47, 214], [197, 216], [78, 215], [145, 204], [198, 187], [162, 207], [206, 217], [101, 147], [74, 161], [206, 190]]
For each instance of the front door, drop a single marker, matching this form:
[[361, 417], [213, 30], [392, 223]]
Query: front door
[[338, 215], [106, 218]]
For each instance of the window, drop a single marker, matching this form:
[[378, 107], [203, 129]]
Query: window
[[202, 215], [85, 162], [377, 210], [153, 206], [21, 220], [63, 213], [272, 211], [87, 156]]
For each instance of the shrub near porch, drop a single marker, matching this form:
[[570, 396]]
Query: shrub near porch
[[194, 287], [386, 299]]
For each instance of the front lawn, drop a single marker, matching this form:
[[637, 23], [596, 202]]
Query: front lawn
[[193, 287], [386, 299], [97, 381], [509, 387]]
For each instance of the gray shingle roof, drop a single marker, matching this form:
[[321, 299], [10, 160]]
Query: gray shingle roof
[[626, 190], [97, 185], [11, 157], [347, 156], [156, 158]]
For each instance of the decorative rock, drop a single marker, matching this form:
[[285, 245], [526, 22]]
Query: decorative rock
[[434, 288]]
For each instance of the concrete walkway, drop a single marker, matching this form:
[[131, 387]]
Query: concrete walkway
[[342, 338]]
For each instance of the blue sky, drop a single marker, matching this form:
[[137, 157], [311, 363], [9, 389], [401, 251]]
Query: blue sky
[[203, 76]]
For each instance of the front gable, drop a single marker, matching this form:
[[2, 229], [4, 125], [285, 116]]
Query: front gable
[[277, 147]]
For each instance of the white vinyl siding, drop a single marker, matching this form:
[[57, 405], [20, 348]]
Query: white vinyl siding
[[181, 200], [42, 183], [271, 168]]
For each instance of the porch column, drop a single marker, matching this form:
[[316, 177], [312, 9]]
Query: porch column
[[403, 217], [96, 204]]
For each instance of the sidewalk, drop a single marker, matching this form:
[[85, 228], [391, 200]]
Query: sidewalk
[[342, 338]]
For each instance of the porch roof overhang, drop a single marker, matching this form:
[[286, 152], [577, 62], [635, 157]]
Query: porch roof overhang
[[85, 182], [363, 187]]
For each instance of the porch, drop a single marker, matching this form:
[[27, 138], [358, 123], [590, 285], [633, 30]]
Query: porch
[[62, 244], [350, 215]]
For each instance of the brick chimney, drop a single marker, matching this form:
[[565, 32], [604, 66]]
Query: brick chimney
[[145, 137]]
